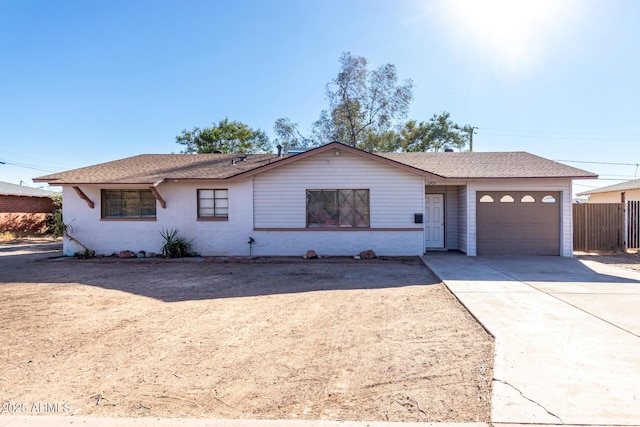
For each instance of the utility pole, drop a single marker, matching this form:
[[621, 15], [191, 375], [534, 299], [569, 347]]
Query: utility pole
[[471, 132]]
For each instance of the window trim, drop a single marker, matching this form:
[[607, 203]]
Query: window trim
[[214, 217], [338, 226], [103, 205]]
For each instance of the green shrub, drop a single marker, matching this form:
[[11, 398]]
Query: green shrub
[[54, 223], [174, 246], [85, 254]]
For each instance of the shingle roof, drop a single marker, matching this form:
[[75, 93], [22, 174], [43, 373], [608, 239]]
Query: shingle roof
[[623, 186], [488, 165], [8, 189], [151, 168], [154, 168]]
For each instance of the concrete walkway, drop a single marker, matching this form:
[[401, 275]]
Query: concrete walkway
[[567, 336]]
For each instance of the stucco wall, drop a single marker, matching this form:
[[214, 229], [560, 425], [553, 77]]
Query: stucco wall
[[209, 237], [614, 197]]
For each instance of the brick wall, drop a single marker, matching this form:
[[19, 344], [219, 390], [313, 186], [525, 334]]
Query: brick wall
[[23, 204], [23, 222]]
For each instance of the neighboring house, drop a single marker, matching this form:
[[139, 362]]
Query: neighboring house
[[333, 199], [617, 193], [23, 208]]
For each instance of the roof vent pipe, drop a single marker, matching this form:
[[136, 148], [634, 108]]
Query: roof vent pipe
[[279, 147]]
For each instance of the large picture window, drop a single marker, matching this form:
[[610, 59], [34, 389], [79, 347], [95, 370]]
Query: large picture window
[[128, 204], [213, 204], [338, 208]]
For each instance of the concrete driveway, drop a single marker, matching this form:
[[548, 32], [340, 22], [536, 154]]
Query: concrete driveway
[[567, 335]]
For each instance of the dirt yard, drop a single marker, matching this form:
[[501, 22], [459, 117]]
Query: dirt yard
[[628, 260], [323, 339]]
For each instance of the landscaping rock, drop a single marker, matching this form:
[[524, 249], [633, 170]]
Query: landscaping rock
[[369, 254], [311, 254], [126, 254]]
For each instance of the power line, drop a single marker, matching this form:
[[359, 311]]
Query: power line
[[563, 132], [586, 186], [27, 166], [611, 179], [598, 163], [619, 176], [576, 138]]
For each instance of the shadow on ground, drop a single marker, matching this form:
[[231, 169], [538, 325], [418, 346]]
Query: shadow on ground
[[196, 279]]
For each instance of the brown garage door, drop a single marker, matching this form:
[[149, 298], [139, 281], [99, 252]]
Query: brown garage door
[[518, 222]]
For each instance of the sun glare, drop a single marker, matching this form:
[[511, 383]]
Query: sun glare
[[515, 34]]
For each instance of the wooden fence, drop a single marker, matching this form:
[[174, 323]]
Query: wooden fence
[[633, 224], [598, 227]]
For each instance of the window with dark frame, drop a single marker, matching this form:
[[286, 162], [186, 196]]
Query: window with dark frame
[[128, 204], [213, 204], [338, 208]]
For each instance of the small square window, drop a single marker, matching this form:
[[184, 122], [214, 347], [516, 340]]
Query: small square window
[[213, 204]]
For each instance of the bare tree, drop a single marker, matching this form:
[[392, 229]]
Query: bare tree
[[363, 104]]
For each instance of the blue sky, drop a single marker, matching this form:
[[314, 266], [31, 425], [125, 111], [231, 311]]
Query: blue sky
[[84, 82]]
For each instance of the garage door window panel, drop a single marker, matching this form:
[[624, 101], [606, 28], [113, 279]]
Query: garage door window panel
[[486, 199]]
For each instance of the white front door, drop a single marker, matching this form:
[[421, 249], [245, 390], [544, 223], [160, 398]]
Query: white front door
[[434, 221]]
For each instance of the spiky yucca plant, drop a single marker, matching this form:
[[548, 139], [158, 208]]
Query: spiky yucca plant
[[174, 246]]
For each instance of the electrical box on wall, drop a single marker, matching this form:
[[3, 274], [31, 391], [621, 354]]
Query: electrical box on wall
[[417, 218]]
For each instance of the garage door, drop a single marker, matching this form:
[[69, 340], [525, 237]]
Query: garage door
[[518, 222]]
